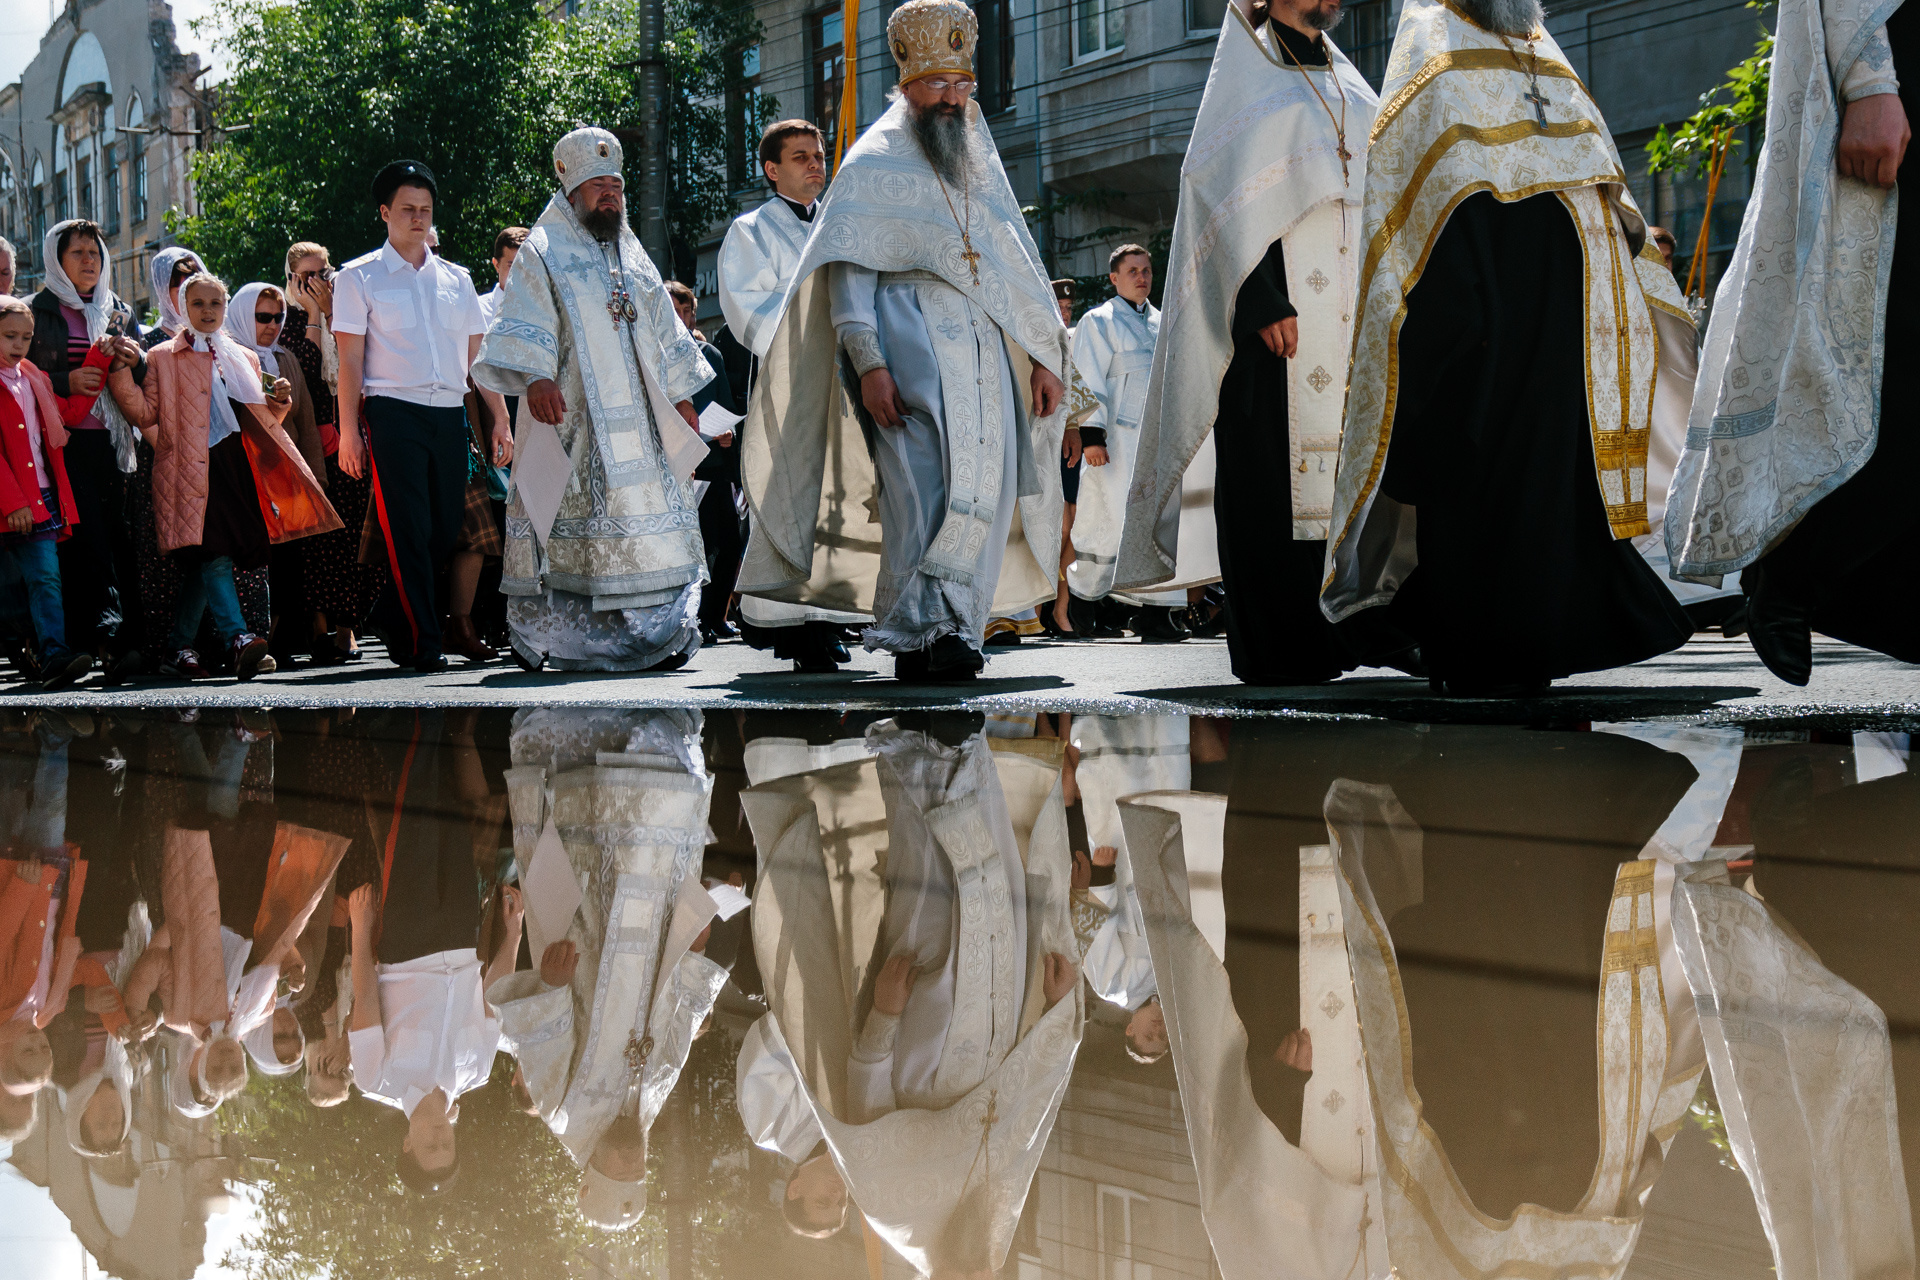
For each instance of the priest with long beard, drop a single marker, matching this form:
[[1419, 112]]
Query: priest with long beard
[[1251, 366], [1505, 355], [943, 418]]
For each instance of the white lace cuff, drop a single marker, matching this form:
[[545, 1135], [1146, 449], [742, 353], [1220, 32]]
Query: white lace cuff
[[1872, 72], [876, 1038], [863, 344]]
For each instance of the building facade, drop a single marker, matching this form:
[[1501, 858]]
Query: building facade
[[1092, 102], [102, 124]]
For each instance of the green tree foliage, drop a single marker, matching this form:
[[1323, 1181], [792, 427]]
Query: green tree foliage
[[477, 89], [1726, 111]]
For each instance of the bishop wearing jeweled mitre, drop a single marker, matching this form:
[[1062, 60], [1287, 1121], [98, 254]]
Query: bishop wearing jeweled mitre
[[1508, 339], [912, 477]]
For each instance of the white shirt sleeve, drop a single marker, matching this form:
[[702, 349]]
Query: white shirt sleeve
[[870, 1070], [349, 303], [367, 1050], [770, 1096], [1119, 966], [473, 321]]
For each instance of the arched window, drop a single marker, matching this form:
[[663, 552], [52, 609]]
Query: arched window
[[136, 162], [36, 212]]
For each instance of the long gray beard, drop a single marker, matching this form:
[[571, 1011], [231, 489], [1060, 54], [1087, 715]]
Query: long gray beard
[[1508, 17], [944, 139], [600, 224]]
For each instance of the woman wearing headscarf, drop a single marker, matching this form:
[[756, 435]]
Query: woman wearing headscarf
[[8, 265], [70, 314], [256, 320]]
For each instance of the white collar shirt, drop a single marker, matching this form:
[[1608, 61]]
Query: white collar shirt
[[435, 1031], [416, 324], [490, 304]]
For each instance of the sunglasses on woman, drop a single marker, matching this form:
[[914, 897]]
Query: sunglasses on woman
[[269, 317]]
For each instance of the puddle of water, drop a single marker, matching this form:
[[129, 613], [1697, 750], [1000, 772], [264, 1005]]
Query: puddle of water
[[1167, 996]]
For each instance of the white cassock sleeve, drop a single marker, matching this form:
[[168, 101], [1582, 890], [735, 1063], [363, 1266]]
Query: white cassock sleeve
[[1092, 357], [751, 289], [852, 290], [870, 1070], [771, 1097], [1119, 967], [1872, 72], [689, 994], [683, 370], [536, 1027]]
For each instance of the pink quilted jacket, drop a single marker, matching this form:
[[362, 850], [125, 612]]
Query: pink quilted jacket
[[193, 987], [173, 407]]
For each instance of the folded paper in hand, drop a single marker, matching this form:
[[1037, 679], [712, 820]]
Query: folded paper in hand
[[551, 892], [541, 469], [717, 420]]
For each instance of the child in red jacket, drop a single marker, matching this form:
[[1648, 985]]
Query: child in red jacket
[[36, 502]]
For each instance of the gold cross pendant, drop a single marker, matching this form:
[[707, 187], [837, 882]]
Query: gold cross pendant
[[971, 257], [1345, 155]]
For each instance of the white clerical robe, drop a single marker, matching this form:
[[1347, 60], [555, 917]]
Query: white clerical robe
[[1112, 354], [1264, 163], [937, 526], [955, 1101], [614, 583], [632, 825], [757, 260]]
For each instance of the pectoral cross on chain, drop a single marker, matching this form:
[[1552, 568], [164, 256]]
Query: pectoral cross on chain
[[638, 1050], [971, 256], [1345, 155], [1538, 99]]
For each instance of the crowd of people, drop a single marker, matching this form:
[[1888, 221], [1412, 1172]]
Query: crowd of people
[[567, 469]]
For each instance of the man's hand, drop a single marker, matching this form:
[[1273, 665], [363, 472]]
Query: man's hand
[[1058, 978], [545, 402], [894, 985], [686, 411], [85, 381], [1282, 337], [1873, 139], [881, 396], [352, 457], [700, 943], [1095, 455], [1048, 391], [724, 439], [1105, 856], [20, 521], [363, 910], [1082, 872], [1296, 1051], [1070, 447], [558, 962]]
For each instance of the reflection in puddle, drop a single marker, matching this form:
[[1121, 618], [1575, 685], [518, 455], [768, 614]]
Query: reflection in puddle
[[647, 993]]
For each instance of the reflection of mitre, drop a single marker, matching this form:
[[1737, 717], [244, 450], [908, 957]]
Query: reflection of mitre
[[932, 36]]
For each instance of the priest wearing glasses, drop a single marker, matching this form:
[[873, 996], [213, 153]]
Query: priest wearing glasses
[[908, 402]]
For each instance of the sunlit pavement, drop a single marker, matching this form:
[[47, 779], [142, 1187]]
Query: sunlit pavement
[[1710, 678]]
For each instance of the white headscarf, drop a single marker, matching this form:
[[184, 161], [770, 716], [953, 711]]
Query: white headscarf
[[160, 271], [240, 326], [98, 311], [233, 377], [259, 1045], [116, 1073]]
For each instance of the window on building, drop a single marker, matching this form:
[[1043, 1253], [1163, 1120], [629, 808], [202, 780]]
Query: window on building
[[828, 58], [84, 166], [1366, 37], [37, 212], [993, 59], [136, 164], [62, 196], [1206, 15], [1122, 1215], [746, 117], [1099, 28], [110, 173]]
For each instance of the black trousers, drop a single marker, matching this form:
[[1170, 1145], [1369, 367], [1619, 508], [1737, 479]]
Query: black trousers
[[720, 531], [432, 899], [419, 495], [99, 583]]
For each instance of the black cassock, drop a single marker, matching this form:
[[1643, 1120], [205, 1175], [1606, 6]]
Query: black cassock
[[1520, 577], [1851, 558]]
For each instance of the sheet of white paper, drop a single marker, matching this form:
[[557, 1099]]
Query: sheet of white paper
[[551, 892], [541, 469], [727, 900], [717, 420]]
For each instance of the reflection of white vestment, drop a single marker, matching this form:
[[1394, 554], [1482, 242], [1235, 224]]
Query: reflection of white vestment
[[616, 582], [973, 876], [633, 824]]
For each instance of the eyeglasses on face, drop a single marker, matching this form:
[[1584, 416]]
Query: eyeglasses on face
[[940, 85], [269, 317]]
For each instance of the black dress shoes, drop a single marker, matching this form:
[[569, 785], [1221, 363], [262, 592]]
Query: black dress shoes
[[1781, 630], [951, 658]]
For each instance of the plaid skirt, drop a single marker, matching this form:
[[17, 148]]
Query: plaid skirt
[[481, 527]]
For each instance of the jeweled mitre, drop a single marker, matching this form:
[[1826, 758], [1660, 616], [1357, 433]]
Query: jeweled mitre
[[929, 37]]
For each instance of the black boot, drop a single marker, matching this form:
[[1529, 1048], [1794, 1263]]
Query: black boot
[[951, 658], [1781, 630], [1156, 624]]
